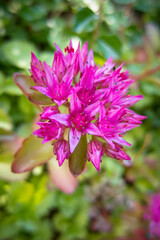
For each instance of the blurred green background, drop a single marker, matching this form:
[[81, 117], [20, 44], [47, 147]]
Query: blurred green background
[[108, 204]]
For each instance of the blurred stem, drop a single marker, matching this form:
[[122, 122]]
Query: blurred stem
[[98, 23], [147, 140], [147, 73]]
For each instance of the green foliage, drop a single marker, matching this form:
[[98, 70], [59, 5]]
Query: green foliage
[[105, 205]]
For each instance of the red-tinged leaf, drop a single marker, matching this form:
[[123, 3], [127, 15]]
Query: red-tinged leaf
[[32, 153], [39, 98], [77, 159], [61, 176], [24, 82]]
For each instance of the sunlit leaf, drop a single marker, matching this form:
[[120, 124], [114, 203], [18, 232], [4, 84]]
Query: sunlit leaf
[[5, 168], [5, 121], [10, 88], [18, 53], [109, 46], [32, 153], [85, 20]]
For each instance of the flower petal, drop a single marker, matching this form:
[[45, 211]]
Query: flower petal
[[75, 103], [93, 130], [62, 118], [61, 149], [94, 153], [74, 137]]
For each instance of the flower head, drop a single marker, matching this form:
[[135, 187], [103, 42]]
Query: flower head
[[87, 100], [153, 215]]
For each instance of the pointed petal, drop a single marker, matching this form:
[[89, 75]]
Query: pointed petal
[[102, 112], [109, 65], [43, 90], [109, 141], [130, 101], [116, 114], [75, 103], [93, 130], [84, 51], [127, 163], [90, 59], [51, 77], [34, 61], [61, 149], [94, 153], [116, 153], [74, 137], [68, 77], [59, 102], [87, 78], [62, 118], [92, 109], [58, 48], [48, 111], [121, 141], [38, 76]]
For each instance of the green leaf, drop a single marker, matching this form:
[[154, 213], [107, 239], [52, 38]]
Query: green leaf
[[32, 153], [18, 53], [109, 46], [39, 98], [2, 77], [85, 21], [47, 57], [24, 82], [33, 13], [150, 89], [77, 159], [10, 88], [5, 121], [5, 168], [144, 5], [113, 168], [124, 1]]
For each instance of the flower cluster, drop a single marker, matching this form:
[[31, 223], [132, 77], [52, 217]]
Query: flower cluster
[[153, 215], [90, 111]]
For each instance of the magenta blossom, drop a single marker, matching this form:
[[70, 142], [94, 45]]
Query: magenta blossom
[[89, 114], [153, 215]]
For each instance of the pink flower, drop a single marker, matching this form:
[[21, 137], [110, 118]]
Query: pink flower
[[61, 149], [153, 215], [87, 100], [95, 152]]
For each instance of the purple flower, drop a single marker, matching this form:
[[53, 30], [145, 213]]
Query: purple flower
[[153, 215], [90, 103]]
